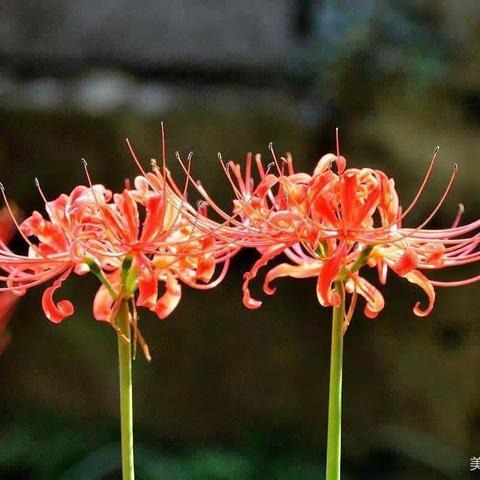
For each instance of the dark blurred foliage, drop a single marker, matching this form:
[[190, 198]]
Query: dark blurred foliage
[[235, 394]]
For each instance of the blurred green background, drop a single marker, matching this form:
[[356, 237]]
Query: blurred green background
[[231, 393]]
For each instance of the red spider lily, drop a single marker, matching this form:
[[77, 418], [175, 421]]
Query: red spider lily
[[166, 248], [64, 239], [329, 224], [92, 229]]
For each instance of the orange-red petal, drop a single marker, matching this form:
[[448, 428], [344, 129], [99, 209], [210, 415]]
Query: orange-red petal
[[169, 300], [147, 284], [286, 270], [375, 301], [267, 255], [206, 261], [153, 223], [56, 312], [424, 283], [328, 274], [102, 304]]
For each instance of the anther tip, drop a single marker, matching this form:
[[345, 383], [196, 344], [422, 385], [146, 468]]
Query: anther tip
[[461, 207], [2, 188], [270, 145], [270, 165], [37, 181], [437, 148], [455, 166], [85, 164]]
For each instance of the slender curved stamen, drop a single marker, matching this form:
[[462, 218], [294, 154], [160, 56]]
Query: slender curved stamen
[[390, 239], [423, 184], [15, 221], [272, 151]]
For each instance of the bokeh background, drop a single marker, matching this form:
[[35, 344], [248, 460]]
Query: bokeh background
[[230, 393]]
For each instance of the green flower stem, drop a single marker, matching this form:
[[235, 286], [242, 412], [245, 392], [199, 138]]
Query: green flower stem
[[126, 402], [334, 441]]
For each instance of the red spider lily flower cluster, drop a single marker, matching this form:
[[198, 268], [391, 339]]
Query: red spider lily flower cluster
[[331, 223], [132, 241], [7, 299]]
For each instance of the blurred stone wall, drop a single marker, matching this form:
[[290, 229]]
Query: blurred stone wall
[[140, 33]]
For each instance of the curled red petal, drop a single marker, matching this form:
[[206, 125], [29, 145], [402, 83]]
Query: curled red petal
[[287, 270], [375, 301], [324, 164], [267, 255], [59, 311], [169, 300], [424, 283]]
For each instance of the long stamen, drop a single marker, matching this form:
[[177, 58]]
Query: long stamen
[[137, 162], [15, 221], [272, 151], [461, 211], [248, 172], [408, 232], [423, 184]]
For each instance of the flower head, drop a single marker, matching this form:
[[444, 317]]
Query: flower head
[[334, 221], [132, 241]]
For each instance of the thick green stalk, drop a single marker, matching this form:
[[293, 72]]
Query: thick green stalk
[[126, 402], [334, 441]]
